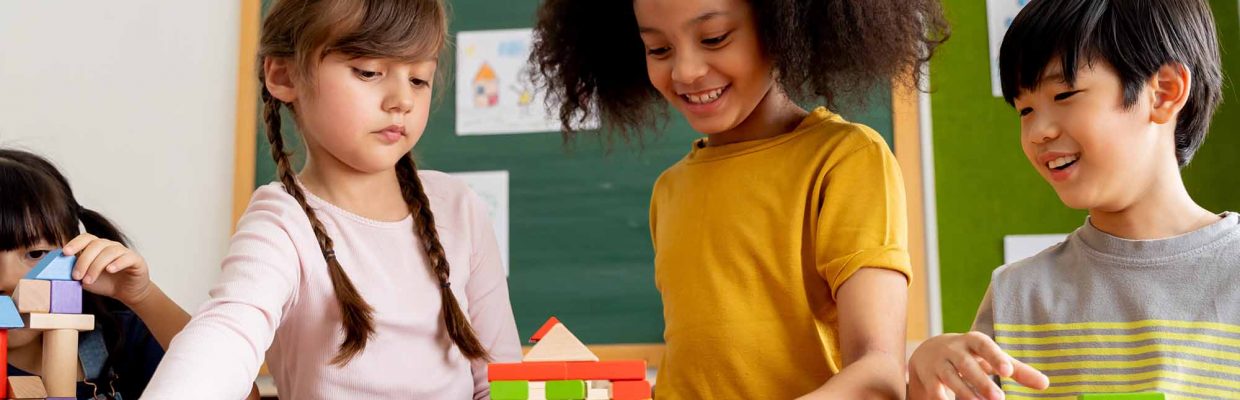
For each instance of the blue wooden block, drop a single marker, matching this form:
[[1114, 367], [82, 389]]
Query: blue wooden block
[[55, 266], [9, 318], [66, 297]]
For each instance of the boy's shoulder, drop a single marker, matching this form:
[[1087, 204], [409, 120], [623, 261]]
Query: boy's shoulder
[[1042, 267]]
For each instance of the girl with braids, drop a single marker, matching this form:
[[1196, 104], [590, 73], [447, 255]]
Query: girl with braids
[[359, 276], [134, 319], [780, 238]]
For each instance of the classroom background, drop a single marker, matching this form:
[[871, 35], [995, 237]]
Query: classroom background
[[150, 108]]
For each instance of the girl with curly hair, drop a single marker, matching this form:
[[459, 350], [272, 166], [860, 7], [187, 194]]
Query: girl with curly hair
[[781, 237]]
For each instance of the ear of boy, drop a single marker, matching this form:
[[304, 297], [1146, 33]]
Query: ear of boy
[[278, 79], [1171, 86]]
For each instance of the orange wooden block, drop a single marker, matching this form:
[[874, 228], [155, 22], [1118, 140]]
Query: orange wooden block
[[623, 370], [530, 371], [538, 335], [630, 390]]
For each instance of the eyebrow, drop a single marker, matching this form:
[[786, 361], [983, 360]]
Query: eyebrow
[[706, 16], [1054, 77]]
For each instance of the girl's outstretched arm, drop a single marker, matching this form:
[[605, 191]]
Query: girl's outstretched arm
[[872, 308]]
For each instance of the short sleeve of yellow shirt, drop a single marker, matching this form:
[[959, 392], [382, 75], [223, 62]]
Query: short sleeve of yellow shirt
[[752, 242]]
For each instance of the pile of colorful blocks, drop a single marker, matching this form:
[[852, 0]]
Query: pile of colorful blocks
[[49, 300], [560, 367]]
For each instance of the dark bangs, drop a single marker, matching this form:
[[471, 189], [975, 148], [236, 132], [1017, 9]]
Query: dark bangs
[[33, 208]]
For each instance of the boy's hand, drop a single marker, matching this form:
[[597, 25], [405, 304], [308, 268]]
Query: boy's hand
[[108, 268], [963, 364]]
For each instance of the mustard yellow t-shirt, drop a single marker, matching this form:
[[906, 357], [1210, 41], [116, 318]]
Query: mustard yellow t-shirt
[[752, 241]]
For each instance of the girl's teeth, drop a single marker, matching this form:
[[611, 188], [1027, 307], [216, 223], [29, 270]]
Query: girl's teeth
[[705, 98]]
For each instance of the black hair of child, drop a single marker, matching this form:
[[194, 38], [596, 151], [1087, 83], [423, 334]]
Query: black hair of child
[[589, 56], [1135, 37]]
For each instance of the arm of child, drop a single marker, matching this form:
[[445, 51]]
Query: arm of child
[[109, 268], [964, 364], [219, 353], [862, 254], [490, 312], [872, 336]]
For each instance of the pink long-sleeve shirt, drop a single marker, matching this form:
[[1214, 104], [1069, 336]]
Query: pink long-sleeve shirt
[[275, 298]]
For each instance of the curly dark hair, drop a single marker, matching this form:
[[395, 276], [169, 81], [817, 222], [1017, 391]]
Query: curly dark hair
[[589, 57]]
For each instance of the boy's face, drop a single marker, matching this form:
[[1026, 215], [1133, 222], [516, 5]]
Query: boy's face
[[1096, 153]]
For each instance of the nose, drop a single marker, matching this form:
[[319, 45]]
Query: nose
[[1040, 130], [399, 98], [688, 67]]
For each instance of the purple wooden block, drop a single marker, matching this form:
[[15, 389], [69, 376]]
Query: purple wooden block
[[66, 297]]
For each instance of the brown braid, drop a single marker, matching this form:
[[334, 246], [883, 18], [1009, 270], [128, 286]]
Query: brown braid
[[457, 323], [357, 315]]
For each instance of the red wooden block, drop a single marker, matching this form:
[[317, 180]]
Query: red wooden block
[[4, 360], [543, 331], [530, 371], [630, 390], [623, 370]]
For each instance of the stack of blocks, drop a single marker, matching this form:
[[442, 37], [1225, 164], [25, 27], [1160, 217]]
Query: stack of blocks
[[560, 367], [48, 300]]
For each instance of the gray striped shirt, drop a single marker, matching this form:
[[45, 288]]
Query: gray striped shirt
[[1099, 314]]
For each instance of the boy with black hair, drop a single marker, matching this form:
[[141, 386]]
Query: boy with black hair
[[1114, 98]]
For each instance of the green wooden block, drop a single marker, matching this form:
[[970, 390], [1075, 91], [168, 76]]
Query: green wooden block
[[566, 390], [510, 390], [1123, 396]]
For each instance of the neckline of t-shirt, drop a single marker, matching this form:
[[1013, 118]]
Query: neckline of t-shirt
[[319, 203], [700, 153], [1111, 248]]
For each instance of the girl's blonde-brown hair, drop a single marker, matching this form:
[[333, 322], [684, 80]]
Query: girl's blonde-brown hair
[[305, 32]]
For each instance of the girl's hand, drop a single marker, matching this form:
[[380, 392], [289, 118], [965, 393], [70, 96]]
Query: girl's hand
[[108, 268], [963, 364]]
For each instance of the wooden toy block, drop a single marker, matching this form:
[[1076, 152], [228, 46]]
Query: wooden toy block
[[60, 362], [599, 384], [1123, 396], [625, 370], [560, 345], [39, 321], [55, 266], [510, 390], [33, 296], [538, 391], [566, 390], [533, 371], [4, 358], [598, 394], [630, 390], [26, 387], [10, 318], [66, 297], [538, 335]]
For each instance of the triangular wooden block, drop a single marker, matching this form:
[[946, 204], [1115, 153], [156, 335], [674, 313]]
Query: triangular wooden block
[[560, 345], [55, 266], [9, 317], [543, 331]]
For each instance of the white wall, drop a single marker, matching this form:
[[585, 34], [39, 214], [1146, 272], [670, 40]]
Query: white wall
[[135, 102]]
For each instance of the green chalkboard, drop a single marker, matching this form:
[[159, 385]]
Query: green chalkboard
[[579, 233]]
